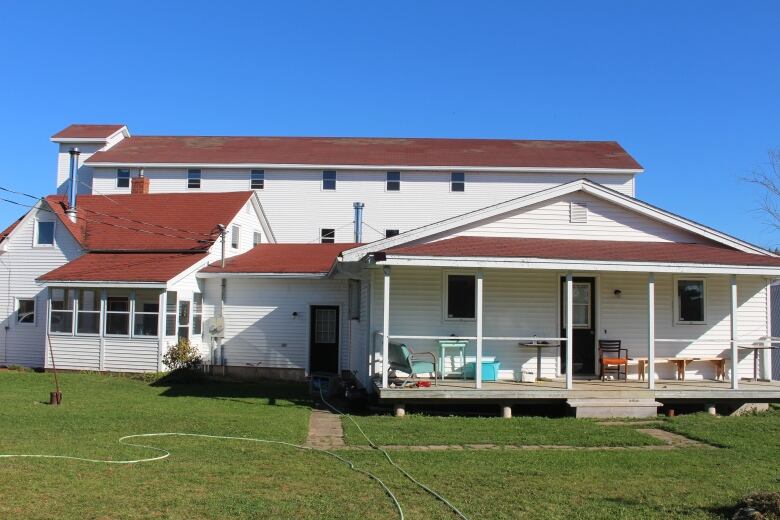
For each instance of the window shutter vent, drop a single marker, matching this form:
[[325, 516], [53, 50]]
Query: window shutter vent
[[578, 212]]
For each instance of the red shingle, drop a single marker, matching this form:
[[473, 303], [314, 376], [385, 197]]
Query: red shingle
[[585, 250], [172, 221], [368, 151], [4, 233], [87, 131], [124, 267], [283, 258]]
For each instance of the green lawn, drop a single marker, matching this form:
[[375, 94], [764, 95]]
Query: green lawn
[[225, 479]]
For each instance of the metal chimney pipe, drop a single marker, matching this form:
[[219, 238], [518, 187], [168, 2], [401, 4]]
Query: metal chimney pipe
[[74, 166], [358, 221]]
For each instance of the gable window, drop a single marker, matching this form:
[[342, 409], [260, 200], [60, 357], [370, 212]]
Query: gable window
[[197, 314], [393, 181], [457, 181], [25, 310], [170, 313], [391, 233], [61, 318], [461, 297], [327, 235], [257, 238], [257, 180], [328, 180], [690, 303], [118, 312], [235, 236], [122, 178], [193, 179], [88, 311], [44, 233]]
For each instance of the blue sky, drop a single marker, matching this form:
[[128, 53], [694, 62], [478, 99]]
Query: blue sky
[[691, 89]]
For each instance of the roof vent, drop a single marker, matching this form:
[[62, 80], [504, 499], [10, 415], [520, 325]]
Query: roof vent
[[578, 212]]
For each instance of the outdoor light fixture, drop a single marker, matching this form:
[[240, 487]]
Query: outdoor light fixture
[[618, 292]]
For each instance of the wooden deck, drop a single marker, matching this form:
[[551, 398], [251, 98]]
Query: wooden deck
[[706, 391]]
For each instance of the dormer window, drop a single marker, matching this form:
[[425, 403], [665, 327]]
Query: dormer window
[[123, 178], [193, 179]]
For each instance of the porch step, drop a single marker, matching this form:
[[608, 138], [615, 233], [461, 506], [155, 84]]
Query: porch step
[[610, 407]]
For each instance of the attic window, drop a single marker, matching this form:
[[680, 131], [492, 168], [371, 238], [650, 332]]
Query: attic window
[[578, 212]]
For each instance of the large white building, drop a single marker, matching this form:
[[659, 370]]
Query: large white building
[[494, 242]]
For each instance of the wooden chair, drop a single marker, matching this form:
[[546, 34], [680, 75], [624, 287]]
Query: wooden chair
[[613, 358]]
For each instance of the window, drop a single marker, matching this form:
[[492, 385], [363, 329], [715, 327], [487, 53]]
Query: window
[[25, 311], [122, 178], [461, 296], [581, 305], [88, 311], [354, 299], [393, 181], [257, 238], [61, 310], [44, 233], [118, 312], [457, 181], [235, 236], [327, 235], [690, 303], [170, 314], [184, 320], [328, 180], [391, 233], [257, 179], [147, 312], [197, 314], [193, 179]]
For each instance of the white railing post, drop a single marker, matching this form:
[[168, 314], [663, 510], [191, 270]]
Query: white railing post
[[734, 346], [386, 328], [478, 372], [569, 330], [650, 331]]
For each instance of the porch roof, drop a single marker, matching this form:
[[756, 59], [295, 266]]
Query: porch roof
[[281, 259], [123, 267], [597, 251]]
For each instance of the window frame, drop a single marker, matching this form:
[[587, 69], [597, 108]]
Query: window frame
[[77, 311], [235, 236], [389, 233], [324, 180], [130, 311], [169, 314], [179, 324], [196, 311], [324, 240], [17, 308], [388, 181], [257, 238], [676, 299], [144, 313], [260, 180], [36, 232], [461, 182], [70, 293], [190, 179], [123, 177], [446, 295]]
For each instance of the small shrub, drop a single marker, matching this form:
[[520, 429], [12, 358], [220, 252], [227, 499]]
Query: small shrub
[[182, 355]]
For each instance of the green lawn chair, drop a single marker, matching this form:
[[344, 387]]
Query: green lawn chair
[[402, 358]]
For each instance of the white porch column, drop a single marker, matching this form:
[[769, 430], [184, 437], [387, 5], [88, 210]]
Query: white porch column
[[651, 331], [386, 327], [734, 349], [478, 374], [569, 330]]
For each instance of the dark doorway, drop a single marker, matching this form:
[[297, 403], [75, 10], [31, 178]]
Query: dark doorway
[[584, 318], [324, 339]]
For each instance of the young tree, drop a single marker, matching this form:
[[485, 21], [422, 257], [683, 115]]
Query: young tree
[[768, 178]]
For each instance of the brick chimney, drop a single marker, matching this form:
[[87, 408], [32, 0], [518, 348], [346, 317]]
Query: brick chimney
[[139, 185]]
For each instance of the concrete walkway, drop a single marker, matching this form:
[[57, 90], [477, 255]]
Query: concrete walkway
[[325, 431]]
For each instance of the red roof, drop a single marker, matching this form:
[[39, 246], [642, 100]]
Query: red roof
[[605, 250], [87, 131], [151, 222], [7, 231], [283, 258], [124, 267], [368, 151]]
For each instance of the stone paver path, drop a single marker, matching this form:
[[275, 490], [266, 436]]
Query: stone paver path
[[325, 431]]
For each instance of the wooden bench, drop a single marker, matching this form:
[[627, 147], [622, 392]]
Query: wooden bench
[[681, 364]]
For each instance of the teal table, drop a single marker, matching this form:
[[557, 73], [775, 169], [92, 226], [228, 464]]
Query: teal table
[[458, 344]]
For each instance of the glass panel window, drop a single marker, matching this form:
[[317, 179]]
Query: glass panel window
[[461, 296], [327, 235], [581, 305], [354, 299], [391, 233], [329, 180], [44, 235], [257, 180], [197, 314], [325, 325], [393, 181], [193, 179], [690, 301], [147, 312], [88, 312], [235, 237], [184, 319], [171, 313], [61, 310], [122, 178], [257, 238], [25, 311], [457, 181], [118, 312]]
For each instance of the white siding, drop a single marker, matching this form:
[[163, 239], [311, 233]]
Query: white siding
[[85, 172], [130, 354], [75, 352]]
